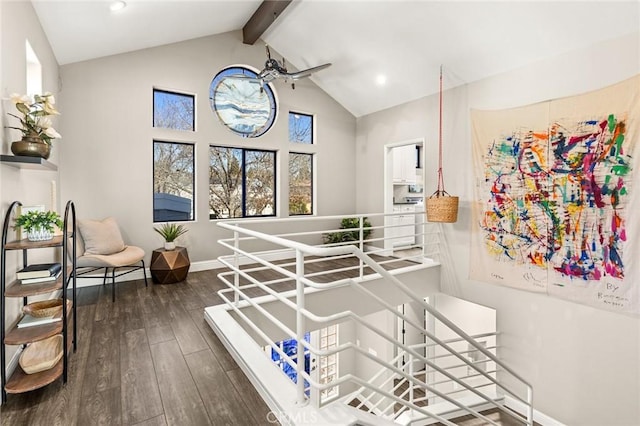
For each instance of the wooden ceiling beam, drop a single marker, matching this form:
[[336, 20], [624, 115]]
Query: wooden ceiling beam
[[262, 19]]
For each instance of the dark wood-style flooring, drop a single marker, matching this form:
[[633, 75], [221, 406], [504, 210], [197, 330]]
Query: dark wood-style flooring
[[148, 359]]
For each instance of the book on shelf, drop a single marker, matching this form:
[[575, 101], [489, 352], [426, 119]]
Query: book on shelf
[[29, 321], [40, 279], [39, 270]]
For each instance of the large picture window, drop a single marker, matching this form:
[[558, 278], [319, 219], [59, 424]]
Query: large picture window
[[173, 110], [173, 181], [242, 182], [300, 183]]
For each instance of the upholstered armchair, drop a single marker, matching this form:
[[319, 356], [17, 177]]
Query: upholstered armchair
[[100, 246]]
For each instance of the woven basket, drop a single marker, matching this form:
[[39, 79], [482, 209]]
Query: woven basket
[[442, 207], [45, 308]]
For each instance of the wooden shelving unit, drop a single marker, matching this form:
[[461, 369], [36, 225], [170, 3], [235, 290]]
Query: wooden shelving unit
[[19, 381], [24, 162]]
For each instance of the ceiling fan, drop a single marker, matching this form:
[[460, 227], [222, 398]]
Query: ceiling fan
[[274, 69]]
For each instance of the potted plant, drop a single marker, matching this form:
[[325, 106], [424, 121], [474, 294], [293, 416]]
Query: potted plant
[[39, 225], [37, 130], [347, 236], [170, 231]]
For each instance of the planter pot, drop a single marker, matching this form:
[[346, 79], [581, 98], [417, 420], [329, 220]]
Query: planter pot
[[169, 246], [169, 266], [39, 234], [31, 147]]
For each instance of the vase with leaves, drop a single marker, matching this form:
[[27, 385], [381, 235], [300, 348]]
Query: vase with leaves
[[39, 225], [36, 125], [170, 232]]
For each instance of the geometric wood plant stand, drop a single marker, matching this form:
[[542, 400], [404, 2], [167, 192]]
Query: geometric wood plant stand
[[169, 266]]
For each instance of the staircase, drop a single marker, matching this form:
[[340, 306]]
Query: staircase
[[276, 291]]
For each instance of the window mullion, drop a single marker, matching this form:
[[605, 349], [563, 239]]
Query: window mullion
[[244, 183]]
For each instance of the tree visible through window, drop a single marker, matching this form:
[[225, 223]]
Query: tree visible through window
[[300, 183], [173, 110], [242, 182], [300, 128], [173, 176]]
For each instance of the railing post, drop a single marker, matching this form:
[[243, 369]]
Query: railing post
[[361, 245], [530, 407], [411, 383], [423, 230], [300, 327], [236, 264]]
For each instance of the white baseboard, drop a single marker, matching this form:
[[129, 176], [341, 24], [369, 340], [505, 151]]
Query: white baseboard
[[90, 280], [12, 364], [538, 417]]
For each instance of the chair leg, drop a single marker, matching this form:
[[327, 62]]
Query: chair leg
[[113, 285], [104, 279], [144, 271]]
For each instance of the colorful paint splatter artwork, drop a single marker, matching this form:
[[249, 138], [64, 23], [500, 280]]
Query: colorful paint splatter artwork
[[556, 197], [556, 191]]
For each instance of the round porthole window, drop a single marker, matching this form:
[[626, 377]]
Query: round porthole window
[[242, 102]]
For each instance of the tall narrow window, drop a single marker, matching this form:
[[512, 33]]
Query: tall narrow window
[[173, 181], [242, 182], [300, 183], [300, 128], [328, 364], [259, 183], [173, 110], [225, 182]]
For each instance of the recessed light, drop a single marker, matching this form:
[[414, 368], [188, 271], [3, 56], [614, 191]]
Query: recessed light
[[117, 5], [381, 80]]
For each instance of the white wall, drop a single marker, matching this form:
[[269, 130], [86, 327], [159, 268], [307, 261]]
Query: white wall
[[473, 319], [370, 342], [107, 166], [18, 22], [584, 363]]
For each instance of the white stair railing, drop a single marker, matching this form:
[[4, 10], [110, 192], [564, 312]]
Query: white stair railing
[[377, 390]]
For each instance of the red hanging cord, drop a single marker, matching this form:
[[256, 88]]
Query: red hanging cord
[[440, 190]]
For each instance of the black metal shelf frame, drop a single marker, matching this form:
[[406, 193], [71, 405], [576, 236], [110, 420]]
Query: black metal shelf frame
[[69, 276]]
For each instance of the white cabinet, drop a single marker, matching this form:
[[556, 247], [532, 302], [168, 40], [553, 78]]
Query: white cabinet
[[404, 164], [403, 226]]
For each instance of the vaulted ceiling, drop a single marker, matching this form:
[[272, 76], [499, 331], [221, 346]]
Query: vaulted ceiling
[[403, 41]]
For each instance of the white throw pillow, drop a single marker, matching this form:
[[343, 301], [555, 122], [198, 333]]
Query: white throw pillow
[[101, 237]]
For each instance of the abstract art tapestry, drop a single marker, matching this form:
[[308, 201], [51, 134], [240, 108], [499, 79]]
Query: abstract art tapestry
[[557, 203]]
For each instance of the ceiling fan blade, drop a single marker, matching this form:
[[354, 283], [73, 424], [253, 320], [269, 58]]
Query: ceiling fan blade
[[243, 77], [306, 73]]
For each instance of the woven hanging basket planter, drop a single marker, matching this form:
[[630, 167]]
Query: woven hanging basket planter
[[441, 207]]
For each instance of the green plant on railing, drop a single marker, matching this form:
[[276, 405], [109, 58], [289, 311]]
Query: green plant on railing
[[33, 220], [348, 236], [171, 231]]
